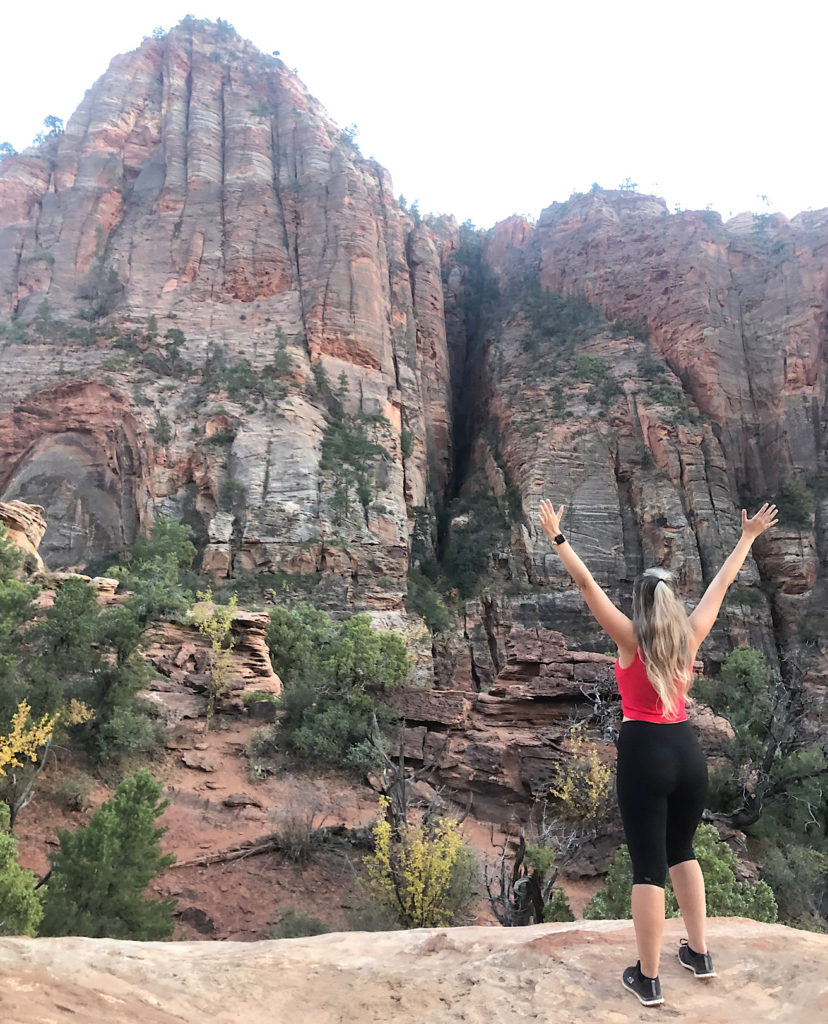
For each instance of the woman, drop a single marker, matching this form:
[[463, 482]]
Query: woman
[[662, 773]]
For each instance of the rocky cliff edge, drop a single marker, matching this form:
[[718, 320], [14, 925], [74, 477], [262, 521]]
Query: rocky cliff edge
[[556, 973]]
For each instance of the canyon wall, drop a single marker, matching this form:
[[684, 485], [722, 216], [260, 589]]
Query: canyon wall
[[200, 190], [216, 309]]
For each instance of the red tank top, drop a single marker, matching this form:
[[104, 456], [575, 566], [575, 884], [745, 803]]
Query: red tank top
[[638, 698]]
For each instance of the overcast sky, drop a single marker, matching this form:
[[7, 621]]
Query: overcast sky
[[486, 109]]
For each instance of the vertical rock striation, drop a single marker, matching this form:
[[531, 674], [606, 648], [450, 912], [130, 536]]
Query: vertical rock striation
[[217, 310], [200, 184]]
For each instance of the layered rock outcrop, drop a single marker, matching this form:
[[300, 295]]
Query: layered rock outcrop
[[182, 658], [25, 527]]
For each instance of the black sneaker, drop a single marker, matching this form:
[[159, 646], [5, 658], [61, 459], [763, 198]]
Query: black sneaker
[[648, 990], [701, 964]]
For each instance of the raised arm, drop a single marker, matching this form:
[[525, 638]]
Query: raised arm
[[704, 614], [610, 618]]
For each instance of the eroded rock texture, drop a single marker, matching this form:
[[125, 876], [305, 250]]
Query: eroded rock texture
[[200, 184], [217, 310], [654, 373], [25, 526]]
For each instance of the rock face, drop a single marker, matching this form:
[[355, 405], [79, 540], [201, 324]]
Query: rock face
[[181, 656], [504, 746], [218, 311], [654, 373], [200, 184], [25, 527], [557, 972]]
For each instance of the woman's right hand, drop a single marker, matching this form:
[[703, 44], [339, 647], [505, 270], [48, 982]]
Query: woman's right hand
[[763, 520], [550, 519]]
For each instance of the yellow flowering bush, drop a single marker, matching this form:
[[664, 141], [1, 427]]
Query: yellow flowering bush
[[25, 738], [417, 872], [214, 622], [583, 788]]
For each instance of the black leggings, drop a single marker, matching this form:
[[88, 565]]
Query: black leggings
[[662, 786]]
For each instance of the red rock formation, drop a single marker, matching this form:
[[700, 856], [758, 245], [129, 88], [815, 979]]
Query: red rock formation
[[25, 526], [181, 655], [78, 448], [712, 342], [199, 180], [201, 185]]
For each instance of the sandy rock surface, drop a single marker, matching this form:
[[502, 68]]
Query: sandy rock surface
[[554, 973]]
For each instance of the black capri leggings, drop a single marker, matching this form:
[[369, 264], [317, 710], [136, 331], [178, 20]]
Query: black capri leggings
[[662, 787]]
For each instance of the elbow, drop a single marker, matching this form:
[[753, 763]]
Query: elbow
[[585, 583]]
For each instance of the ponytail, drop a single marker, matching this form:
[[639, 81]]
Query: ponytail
[[662, 630]]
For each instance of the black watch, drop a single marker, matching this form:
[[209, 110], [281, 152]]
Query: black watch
[[559, 539]]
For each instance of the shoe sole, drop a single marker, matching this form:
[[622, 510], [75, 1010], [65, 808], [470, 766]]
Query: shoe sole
[[644, 1002], [709, 974]]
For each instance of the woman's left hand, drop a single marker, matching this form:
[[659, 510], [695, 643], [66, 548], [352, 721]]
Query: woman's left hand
[[549, 519]]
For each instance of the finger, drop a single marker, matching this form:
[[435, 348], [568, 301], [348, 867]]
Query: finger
[[560, 513], [744, 516]]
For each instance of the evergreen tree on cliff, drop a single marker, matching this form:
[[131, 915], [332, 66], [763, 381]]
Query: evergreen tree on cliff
[[97, 882]]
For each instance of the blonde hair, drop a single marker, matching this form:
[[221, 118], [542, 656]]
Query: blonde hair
[[662, 630]]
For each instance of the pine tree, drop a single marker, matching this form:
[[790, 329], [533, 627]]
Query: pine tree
[[20, 907], [98, 877]]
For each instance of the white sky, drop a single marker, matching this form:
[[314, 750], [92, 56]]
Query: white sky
[[485, 109]]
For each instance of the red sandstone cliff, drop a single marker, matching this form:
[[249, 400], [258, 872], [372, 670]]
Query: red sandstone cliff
[[199, 189], [200, 183], [685, 378]]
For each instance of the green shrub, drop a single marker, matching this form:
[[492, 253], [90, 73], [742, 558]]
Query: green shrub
[[221, 438], [349, 656], [297, 925], [368, 916], [349, 455], [796, 873], [232, 495], [73, 790], [162, 431], [557, 907], [295, 639], [254, 696], [331, 672], [333, 730], [20, 903], [406, 443], [99, 875], [424, 600], [605, 392], [11, 557], [796, 502], [129, 731], [153, 568], [556, 320], [726, 897], [592, 368], [776, 776], [667, 394]]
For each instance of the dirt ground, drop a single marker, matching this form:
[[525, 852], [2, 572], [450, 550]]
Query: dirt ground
[[243, 899]]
